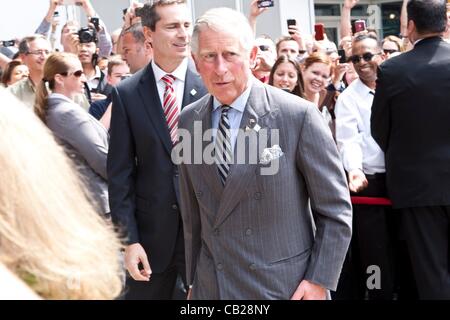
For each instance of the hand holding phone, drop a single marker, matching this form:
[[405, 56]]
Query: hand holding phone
[[291, 22], [319, 30], [360, 25], [265, 3], [343, 58]]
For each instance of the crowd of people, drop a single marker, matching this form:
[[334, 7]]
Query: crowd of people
[[91, 189]]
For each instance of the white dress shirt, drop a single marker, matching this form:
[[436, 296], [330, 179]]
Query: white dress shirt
[[357, 147], [178, 85]]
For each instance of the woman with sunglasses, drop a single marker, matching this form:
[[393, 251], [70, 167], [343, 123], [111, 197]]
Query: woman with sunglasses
[[84, 139], [392, 46]]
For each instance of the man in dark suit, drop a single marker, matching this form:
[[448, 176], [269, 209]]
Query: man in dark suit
[[410, 122], [143, 181]]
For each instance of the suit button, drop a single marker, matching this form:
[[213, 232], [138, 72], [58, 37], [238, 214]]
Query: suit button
[[174, 207], [176, 175], [219, 266], [257, 195], [199, 194], [252, 266], [216, 232], [248, 232]]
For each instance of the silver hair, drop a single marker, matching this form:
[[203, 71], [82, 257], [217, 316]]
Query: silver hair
[[224, 20]]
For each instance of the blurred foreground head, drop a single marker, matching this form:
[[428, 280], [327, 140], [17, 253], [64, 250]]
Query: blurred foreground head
[[50, 234]]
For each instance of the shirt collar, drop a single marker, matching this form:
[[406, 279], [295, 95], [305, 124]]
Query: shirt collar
[[179, 73], [239, 103], [362, 88]]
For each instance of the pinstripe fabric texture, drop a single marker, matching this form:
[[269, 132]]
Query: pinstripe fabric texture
[[258, 236]]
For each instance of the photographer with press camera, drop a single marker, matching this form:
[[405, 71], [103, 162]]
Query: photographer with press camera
[[97, 87]]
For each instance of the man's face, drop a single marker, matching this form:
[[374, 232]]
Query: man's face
[[86, 51], [223, 64], [134, 53], [117, 73], [172, 34], [38, 52], [289, 48], [367, 70], [66, 35]]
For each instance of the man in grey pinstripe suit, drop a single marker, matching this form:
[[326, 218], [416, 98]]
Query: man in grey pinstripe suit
[[251, 232]]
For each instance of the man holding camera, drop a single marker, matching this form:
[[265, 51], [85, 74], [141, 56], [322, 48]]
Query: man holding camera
[[143, 181], [97, 87]]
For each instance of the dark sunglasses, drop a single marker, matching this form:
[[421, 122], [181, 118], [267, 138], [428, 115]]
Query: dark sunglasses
[[263, 47], [389, 51], [77, 73], [368, 56]]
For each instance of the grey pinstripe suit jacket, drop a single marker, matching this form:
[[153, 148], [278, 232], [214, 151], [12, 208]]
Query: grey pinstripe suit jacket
[[259, 236]]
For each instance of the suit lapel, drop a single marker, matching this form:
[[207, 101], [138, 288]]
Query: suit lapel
[[150, 97], [193, 85], [257, 109]]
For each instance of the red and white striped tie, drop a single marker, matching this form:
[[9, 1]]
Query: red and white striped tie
[[170, 107]]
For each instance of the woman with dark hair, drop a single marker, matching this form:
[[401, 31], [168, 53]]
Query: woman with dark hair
[[286, 75], [14, 71]]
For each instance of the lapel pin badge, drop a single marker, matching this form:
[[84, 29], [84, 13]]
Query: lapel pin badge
[[193, 92], [253, 126]]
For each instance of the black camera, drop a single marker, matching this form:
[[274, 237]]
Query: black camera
[[8, 43], [87, 35]]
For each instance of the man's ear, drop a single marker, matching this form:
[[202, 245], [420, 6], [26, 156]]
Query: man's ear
[[411, 28], [148, 34], [253, 55]]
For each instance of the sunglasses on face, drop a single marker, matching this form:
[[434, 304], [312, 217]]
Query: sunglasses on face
[[389, 51], [368, 56], [77, 73]]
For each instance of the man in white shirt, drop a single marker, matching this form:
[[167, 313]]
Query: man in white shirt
[[364, 162]]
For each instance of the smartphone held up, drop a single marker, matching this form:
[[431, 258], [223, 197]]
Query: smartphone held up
[[319, 30], [265, 3]]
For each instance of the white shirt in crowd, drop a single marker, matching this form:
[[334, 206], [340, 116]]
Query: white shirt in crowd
[[180, 77], [357, 147]]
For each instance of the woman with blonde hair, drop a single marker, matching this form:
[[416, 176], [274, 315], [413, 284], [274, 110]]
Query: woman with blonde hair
[[50, 234], [84, 138]]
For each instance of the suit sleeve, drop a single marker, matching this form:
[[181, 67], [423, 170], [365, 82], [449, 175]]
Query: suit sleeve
[[380, 120], [191, 223], [318, 160], [82, 134], [121, 168]]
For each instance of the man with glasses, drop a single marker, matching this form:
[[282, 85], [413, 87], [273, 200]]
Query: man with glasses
[[363, 160], [33, 51]]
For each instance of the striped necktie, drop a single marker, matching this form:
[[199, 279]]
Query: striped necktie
[[170, 107], [223, 155]]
